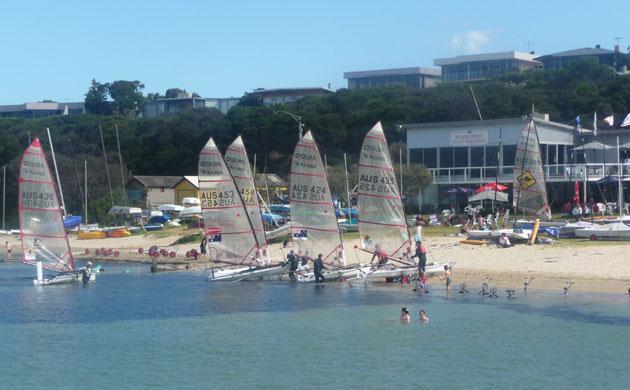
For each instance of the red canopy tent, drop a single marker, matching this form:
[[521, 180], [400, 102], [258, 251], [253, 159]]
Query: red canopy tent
[[491, 187]]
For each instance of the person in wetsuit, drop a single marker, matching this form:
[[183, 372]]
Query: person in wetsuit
[[293, 260], [318, 267], [421, 254], [87, 272]]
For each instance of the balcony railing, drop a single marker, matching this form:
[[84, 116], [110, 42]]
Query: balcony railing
[[553, 173]]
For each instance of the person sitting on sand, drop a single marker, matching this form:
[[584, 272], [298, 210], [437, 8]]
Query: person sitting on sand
[[504, 241], [380, 255], [405, 317], [423, 317]]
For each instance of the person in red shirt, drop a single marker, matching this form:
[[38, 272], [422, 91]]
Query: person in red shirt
[[380, 255]]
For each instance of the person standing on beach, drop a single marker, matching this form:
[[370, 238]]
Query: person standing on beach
[[417, 232], [318, 266], [448, 274], [421, 254], [202, 246]]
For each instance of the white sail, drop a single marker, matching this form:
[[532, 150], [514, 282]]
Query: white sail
[[530, 191], [227, 227], [382, 221], [238, 164], [41, 223], [313, 220]]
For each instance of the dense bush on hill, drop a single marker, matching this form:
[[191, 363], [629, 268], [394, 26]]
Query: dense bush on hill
[[169, 145]]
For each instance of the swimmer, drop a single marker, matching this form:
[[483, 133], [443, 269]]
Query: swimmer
[[423, 317], [405, 317]]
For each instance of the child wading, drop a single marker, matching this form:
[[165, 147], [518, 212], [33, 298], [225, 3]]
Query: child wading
[[448, 275]]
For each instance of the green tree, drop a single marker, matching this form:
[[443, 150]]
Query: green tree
[[96, 102], [127, 96]]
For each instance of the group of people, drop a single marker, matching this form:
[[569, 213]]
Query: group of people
[[405, 316], [297, 260]]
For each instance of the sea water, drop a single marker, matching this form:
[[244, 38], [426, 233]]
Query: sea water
[[133, 329]]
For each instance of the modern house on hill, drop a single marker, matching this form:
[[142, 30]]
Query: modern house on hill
[[558, 60], [484, 66], [415, 77], [270, 97], [41, 109]]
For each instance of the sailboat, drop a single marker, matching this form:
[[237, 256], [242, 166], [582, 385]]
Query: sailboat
[[314, 225], [44, 239], [227, 224], [238, 163], [382, 223]]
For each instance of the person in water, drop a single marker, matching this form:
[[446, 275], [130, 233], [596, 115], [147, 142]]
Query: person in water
[[423, 317], [448, 274], [87, 272], [293, 260], [9, 249], [318, 267], [405, 317], [380, 255]]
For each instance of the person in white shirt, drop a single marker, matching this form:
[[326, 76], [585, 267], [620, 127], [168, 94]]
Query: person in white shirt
[[504, 241], [417, 233]]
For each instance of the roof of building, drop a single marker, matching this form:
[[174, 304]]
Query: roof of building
[[157, 181], [290, 91], [584, 51], [505, 55], [539, 119], [45, 106], [194, 180], [393, 72]]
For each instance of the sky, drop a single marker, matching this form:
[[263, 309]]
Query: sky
[[53, 49]]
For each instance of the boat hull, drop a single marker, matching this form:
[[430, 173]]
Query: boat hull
[[63, 279], [496, 234], [246, 273]]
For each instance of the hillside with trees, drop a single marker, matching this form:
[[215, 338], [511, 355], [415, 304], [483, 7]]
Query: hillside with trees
[[169, 145]]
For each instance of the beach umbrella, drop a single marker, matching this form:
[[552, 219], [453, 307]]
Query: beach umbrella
[[489, 195], [491, 187]]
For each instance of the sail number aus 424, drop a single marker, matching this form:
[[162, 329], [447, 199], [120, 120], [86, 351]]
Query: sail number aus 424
[[308, 192]]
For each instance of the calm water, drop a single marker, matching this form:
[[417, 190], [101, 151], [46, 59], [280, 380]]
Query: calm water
[[133, 329]]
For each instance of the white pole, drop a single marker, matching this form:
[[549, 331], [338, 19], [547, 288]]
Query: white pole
[[52, 151], [326, 164], [349, 205], [4, 193], [619, 182], [400, 163], [85, 201], [122, 172], [40, 272]]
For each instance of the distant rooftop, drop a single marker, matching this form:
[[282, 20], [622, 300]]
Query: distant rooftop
[[41, 106], [299, 90], [584, 51], [393, 72], [505, 55]]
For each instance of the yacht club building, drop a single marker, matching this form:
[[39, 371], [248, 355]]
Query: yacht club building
[[464, 155]]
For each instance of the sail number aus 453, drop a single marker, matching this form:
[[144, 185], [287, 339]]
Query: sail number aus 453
[[214, 198]]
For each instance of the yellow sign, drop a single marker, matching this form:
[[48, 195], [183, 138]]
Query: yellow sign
[[526, 180]]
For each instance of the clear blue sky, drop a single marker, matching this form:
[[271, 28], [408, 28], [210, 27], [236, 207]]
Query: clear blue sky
[[52, 49]]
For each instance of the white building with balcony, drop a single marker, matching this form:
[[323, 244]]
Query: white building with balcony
[[467, 154]]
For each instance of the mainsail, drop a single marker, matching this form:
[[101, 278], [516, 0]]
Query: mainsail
[[313, 220], [530, 191], [41, 223], [238, 164], [381, 217], [226, 224]]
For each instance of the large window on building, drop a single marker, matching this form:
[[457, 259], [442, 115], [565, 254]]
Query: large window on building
[[476, 156], [491, 156], [509, 152], [460, 157], [427, 156], [446, 157]]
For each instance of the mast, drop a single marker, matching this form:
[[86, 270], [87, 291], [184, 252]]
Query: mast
[[619, 182], [109, 180], [52, 151], [349, 203], [85, 192], [122, 172], [4, 194], [496, 176], [529, 128]]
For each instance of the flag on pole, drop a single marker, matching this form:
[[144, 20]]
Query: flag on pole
[[595, 123], [626, 121], [610, 120]]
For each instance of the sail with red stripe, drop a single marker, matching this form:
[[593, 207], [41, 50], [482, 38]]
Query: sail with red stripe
[[313, 220], [238, 163], [41, 222], [227, 226], [382, 224]]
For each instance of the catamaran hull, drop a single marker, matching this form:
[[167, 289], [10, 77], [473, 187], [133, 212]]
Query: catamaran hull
[[496, 234], [340, 274], [396, 273], [248, 274]]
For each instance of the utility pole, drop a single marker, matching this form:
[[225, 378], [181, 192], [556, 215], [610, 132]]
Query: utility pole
[[122, 172]]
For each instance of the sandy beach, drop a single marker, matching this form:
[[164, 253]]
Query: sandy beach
[[592, 266]]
